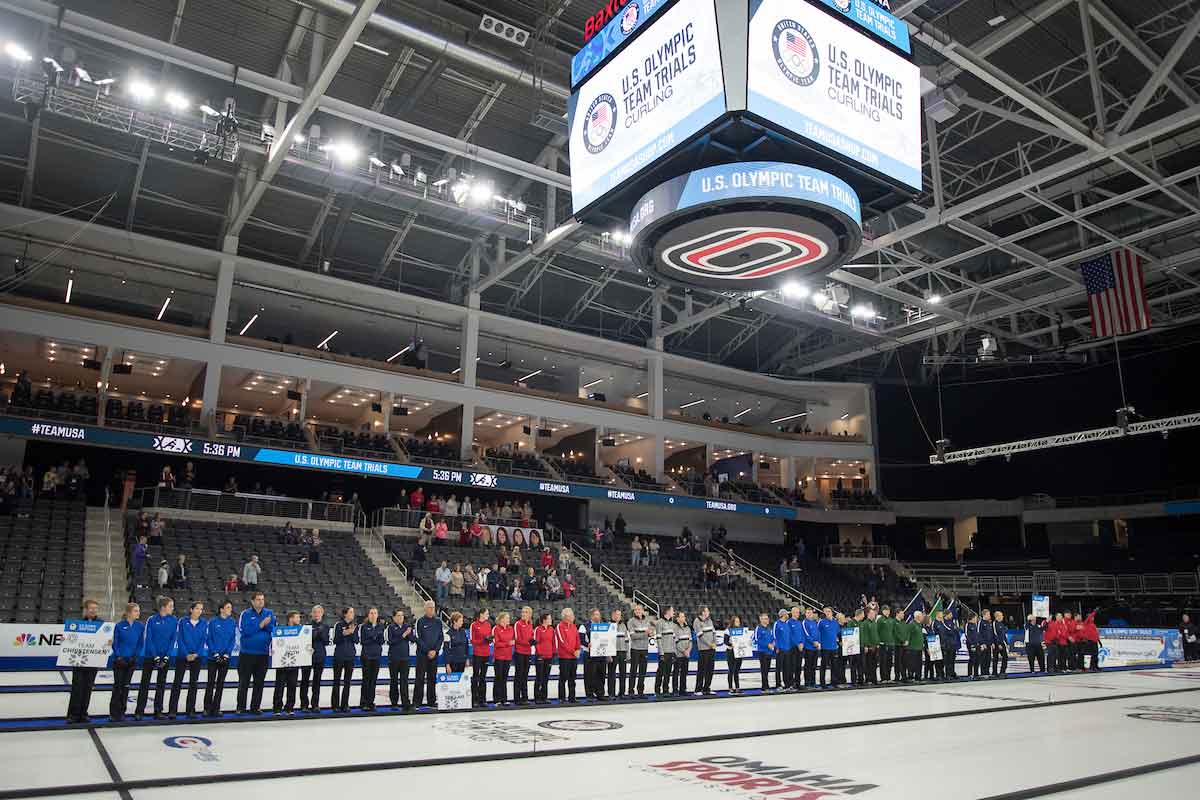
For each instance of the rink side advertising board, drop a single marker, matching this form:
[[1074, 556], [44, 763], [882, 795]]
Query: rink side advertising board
[[813, 75], [192, 447], [660, 89]]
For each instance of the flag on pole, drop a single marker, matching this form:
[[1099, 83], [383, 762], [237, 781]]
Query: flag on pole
[[1116, 288], [937, 606]]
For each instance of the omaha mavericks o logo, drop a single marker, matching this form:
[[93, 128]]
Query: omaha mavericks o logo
[[600, 123], [796, 53]]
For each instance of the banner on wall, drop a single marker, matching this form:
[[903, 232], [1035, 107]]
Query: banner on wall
[[86, 643], [1127, 647]]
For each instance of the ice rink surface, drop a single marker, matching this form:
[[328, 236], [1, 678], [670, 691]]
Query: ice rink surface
[[1101, 736]]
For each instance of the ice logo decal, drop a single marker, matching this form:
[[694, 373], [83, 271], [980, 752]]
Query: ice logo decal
[[796, 53], [600, 123], [581, 725], [172, 444], [201, 746], [629, 18], [744, 253]]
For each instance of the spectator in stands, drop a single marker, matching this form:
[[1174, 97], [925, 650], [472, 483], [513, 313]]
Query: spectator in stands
[[441, 581], [464, 533], [179, 573], [441, 531], [164, 575], [547, 559], [635, 552], [251, 571], [289, 535], [653, 551], [619, 525], [457, 582], [416, 499], [166, 479], [427, 526], [568, 587], [1189, 634], [155, 530], [502, 556], [189, 476], [231, 585], [476, 531], [553, 586], [48, 482], [564, 559], [434, 504], [466, 508], [451, 507], [420, 553], [482, 582], [138, 558], [231, 485], [493, 582], [794, 572], [515, 559], [313, 554]]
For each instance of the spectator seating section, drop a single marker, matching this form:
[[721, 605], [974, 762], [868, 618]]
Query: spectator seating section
[[41, 561], [820, 581], [431, 451], [575, 470], [588, 593], [266, 428], [677, 581], [506, 462], [68, 403], [638, 479], [344, 576]]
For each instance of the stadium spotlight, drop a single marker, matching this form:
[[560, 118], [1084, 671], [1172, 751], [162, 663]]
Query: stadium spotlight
[[141, 90], [177, 101], [795, 291], [863, 312], [82, 74], [376, 161], [17, 53], [209, 111], [481, 193], [343, 151], [105, 81], [934, 299]]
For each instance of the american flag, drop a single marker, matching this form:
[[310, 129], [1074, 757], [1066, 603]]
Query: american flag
[[1116, 288], [796, 43], [600, 117]]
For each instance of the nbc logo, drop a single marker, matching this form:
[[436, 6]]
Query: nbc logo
[[25, 640]]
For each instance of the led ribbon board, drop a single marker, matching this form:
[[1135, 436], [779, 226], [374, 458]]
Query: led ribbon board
[[662, 88], [746, 226], [813, 75], [632, 18], [875, 19]]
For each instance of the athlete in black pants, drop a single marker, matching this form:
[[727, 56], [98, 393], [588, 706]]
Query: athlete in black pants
[[311, 673], [399, 636], [83, 679], [430, 637], [345, 637]]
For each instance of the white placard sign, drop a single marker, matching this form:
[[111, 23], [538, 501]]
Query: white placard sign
[[820, 78], [602, 640], [851, 643], [291, 646], [933, 645], [86, 643], [453, 691], [1041, 606], [663, 87], [742, 640]]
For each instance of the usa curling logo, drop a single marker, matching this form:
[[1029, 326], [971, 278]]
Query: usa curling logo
[[629, 18], [600, 123], [796, 53], [201, 746]]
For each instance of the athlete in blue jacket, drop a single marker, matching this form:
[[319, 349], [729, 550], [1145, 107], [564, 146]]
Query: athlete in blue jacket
[[783, 652], [370, 636], [222, 633], [193, 632], [764, 648], [947, 632], [345, 641], [160, 641], [828, 631], [796, 631], [129, 637], [430, 636], [399, 635], [812, 646], [255, 625], [972, 637], [987, 638]]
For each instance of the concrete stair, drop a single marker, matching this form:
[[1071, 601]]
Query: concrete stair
[[373, 546], [99, 545]]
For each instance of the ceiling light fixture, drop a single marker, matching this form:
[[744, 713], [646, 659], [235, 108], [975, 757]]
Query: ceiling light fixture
[[325, 342], [593, 383], [530, 375], [246, 327], [399, 353], [693, 403], [743, 411], [141, 90], [177, 101], [844, 416], [642, 396], [163, 310], [792, 416], [70, 286]]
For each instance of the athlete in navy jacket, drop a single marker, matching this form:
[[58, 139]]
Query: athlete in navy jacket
[[160, 641], [987, 638], [193, 632], [255, 625], [399, 637], [345, 637], [999, 645], [129, 637], [222, 633], [370, 636], [948, 637], [430, 636]]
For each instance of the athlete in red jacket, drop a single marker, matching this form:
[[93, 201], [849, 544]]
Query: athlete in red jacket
[[544, 641], [523, 634], [504, 637], [481, 648], [566, 641], [1090, 635], [1052, 628]]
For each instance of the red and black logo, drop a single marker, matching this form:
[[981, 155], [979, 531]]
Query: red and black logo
[[744, 250]]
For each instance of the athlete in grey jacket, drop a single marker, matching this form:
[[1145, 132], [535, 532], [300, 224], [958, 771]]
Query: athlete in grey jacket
[[706, 646], [639, 648]]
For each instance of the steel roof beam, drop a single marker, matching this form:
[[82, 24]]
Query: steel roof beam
[[312, 97], [1129, 38]]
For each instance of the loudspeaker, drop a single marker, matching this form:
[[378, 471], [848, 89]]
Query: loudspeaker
[[292, 394], [544, 433], [525, 429], [122, 369], [764, 465], [377, 407], [598, 397], [608, 442], [399, 411], [91, 363]]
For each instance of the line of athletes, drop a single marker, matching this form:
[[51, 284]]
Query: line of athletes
[[806, 648]]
